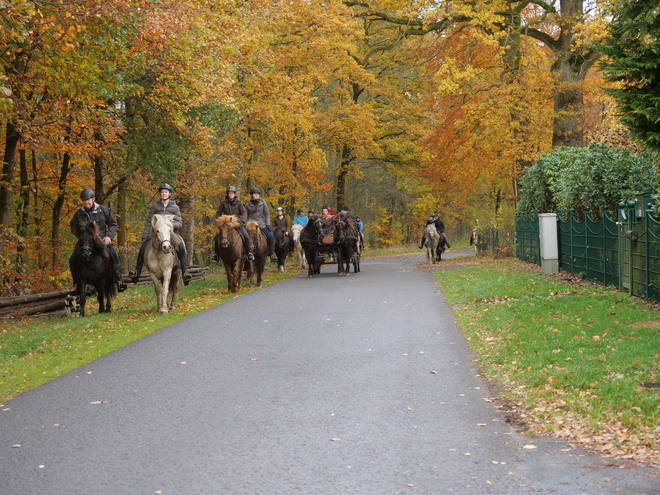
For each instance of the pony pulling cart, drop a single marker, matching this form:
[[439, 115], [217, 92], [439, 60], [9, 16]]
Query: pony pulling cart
[[331, 241]]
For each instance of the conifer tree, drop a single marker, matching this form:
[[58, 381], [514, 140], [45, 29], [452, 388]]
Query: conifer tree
[[633, 50]]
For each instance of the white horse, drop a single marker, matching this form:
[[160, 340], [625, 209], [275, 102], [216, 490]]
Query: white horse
[[431, 239], [295, 230], [161, 260]]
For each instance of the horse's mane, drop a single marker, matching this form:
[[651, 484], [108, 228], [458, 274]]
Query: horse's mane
[[253, 228], [345, 217], [309, 230], [230, 220], [92, 230]]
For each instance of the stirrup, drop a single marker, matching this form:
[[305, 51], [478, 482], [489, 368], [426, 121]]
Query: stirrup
[[187, 277], [133, 276], [250, 257], [121, 286], [215, 258]]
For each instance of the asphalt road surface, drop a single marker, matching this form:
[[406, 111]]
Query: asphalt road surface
[[331, 385]]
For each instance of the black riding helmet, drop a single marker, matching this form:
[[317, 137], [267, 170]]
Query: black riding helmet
[[231, 189], [300, 210], [255, 190], [166, 186], [87, 194]]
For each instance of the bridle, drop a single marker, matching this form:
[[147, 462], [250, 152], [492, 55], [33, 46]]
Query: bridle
[[224, 238]]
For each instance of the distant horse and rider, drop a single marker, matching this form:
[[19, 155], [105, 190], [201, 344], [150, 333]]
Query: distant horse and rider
[[434, 233]]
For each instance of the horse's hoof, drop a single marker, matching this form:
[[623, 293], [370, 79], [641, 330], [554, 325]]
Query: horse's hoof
[[163, 312]]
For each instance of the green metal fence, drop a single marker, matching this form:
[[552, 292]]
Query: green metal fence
[[590, 247], [625, 254], [642, 237], [528, 246]]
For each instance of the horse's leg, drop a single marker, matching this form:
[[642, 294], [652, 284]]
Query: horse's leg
[[163, 310], [100, 296], [174, 291], [238, 271], [157, 288], [82, 297]]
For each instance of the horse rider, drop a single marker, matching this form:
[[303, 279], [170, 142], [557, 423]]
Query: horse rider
[[429, 220], [281, 222], [164, 206], [232, 206], [300, 218], [91, 211], [440, 227], [257, 210], [345, 213], [360, 226]]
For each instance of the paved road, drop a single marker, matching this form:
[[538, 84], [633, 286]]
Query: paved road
[[332, 385]]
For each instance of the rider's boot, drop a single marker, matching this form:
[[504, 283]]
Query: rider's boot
[[421, 243], [181, 252], [215, 258], [135, 276], [246, 243], [121, 286]]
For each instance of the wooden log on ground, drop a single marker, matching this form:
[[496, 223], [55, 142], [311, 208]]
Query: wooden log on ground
[[66, 312], [34, 308], [13, 301]]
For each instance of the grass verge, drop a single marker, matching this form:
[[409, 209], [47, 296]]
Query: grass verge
[[578, 361], [34, 351]]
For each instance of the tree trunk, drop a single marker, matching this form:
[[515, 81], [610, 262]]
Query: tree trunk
[[59, 204], [122, 246], [12, 138], [23, 211], [99, 188], [342, 176], [186, 204]]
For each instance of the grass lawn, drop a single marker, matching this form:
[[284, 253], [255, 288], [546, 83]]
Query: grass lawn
[[580, 361]]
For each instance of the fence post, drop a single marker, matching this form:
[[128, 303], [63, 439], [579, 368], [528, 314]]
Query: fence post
[[548, 240]]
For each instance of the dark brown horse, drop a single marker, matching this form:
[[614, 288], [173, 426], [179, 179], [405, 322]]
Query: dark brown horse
[[346, 240], [260, 251], [91, 264], [311, 237], [282, 248], [229, 246]]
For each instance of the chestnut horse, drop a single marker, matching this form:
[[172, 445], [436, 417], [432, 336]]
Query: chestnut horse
[[260, 251], [229, 246], [91, 264]]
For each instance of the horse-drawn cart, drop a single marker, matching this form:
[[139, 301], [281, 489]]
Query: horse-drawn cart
[[329, 252]]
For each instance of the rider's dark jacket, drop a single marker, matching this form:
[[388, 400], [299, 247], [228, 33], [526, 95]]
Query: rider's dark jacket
[[439, 225], [232, 207], [159, 209], [282, 223], [100, 215]]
